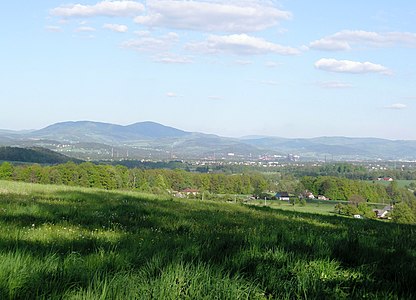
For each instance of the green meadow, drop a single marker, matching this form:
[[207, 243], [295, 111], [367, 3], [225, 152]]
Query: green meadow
[[59, 242], [325, 207], [400, 182]]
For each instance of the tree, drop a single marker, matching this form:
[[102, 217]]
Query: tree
[[160, 186], [259, 184], [393, 191], [366, 210], [403, 214], [355, 200], [6, 170], [348, 209], [340, 208]]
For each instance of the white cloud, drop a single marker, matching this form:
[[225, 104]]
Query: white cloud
[[241, 44], [160, 47], [142, 33], [116, 27], [85, 29], [348, 66], [346, 39], [396, 106], [330, 45], [147, 43], [223, 16], [104, 8], [334, 85], [172, 59], [172, 95]]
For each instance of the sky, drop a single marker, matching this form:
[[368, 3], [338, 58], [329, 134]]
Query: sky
[[286, 68]]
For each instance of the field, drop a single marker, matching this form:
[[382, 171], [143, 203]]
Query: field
[[400, 183], [325, 207], [59, 242]]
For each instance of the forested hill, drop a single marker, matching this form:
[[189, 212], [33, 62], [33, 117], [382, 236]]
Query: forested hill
[[33, 155], [144, 139], [87, 131]]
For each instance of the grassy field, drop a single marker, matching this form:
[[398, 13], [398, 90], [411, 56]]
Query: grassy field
[[325, 207], [72, 243], [400, 183]]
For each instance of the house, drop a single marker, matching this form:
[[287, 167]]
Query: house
[[309, 195], [322, 197], [185, 193], [284, 196], [189, 192], [382, 213], [385, 179]]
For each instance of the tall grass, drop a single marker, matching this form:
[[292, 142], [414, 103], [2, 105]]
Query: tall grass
[[72, 243]]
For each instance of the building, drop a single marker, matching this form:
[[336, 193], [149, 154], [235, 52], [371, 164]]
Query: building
[[284, 196], [383, 213]]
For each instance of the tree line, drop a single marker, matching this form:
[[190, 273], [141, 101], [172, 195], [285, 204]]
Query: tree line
[[112, 177], [339, 188], [350, 171]]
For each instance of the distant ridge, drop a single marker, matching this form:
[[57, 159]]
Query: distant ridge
[[155, 130], [88, 131], [153, 140], [340, 147]]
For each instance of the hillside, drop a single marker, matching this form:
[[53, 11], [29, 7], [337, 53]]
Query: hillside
[[64, 242], [33, 155], [339, 147], [87, 131], [153, 140]]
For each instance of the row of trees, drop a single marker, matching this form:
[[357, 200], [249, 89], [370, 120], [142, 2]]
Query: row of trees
[[350, 171], [158, 180], [343, 188], [120, 177]]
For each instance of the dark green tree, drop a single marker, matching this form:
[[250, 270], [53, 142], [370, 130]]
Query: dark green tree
[[403, 214]]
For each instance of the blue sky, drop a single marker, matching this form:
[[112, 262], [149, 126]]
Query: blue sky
[[289, 68]]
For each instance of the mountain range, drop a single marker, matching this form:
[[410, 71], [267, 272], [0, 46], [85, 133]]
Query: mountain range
[[95, 140]]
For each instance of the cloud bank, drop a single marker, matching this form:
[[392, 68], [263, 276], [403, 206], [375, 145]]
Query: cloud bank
[[224, 16], [104, 8], [348, 66], [116, 27], [396, 106], [346, 39], [241, 44]]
